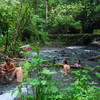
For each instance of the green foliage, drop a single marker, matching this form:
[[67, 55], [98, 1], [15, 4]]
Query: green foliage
[[97, 31], [65, 16], [74, 17], [47, 72], [37, 28], [15, 19], [2, 39], [33, 20], [98, 75]]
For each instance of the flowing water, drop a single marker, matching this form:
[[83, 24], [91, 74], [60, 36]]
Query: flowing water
[[72, 54], [57, 54]]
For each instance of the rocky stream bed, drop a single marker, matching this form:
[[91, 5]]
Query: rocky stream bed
[[55, 55]]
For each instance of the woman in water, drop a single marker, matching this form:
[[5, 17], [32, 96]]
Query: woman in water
[[77, 64]]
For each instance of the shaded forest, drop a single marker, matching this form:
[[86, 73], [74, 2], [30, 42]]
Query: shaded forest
[[22, 20]]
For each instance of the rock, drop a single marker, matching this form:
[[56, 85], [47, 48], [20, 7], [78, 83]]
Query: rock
[[25, 46], [1, 93], [96, 43], [8, 96], [94, 57], [11, 96]]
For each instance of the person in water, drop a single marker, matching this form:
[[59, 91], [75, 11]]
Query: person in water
[[9, 67], [66, 67], [77, 64]]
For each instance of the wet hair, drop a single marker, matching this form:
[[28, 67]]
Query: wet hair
[[79, 61], [7, 60], [65, 61]]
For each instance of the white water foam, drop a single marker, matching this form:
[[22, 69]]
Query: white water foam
[[75, 47], [11, 95]]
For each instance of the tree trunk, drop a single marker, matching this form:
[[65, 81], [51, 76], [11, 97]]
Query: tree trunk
[[6, 44], [46, 3], [36, 6]]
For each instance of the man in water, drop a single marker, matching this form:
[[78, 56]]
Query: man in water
[[66, 67], [8, 67]]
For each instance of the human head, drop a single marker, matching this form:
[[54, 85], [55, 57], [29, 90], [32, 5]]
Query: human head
[[7, 61], [65, 62], [78, 61]]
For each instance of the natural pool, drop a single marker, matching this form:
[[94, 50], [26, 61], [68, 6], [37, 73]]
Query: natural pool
[[56, 55]]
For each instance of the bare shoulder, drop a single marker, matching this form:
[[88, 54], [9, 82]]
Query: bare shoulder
[[68, 65]]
